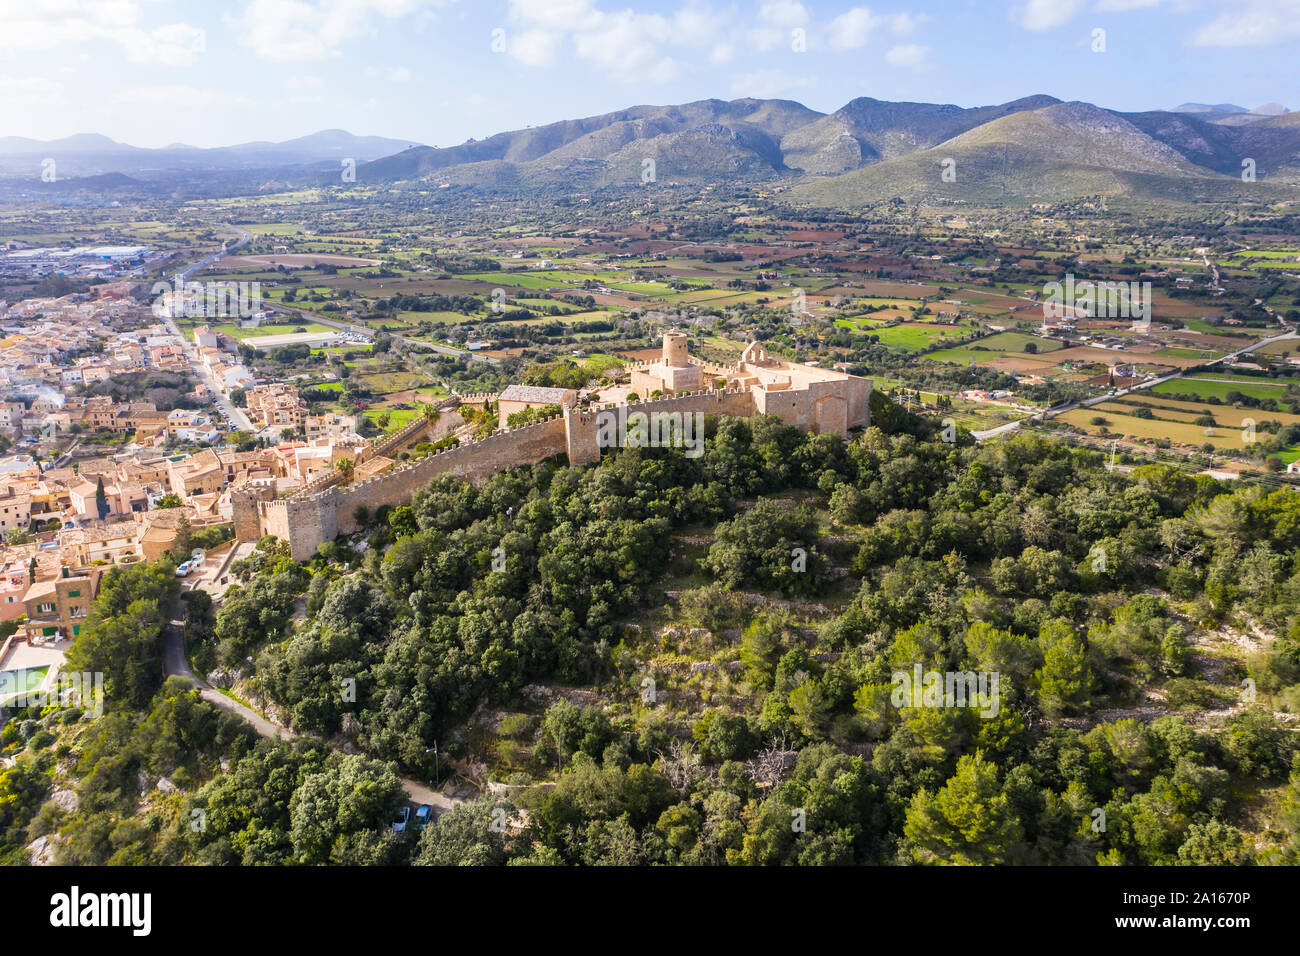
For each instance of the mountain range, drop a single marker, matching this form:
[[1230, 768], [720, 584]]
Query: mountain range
[[89, 154], [1037, 148]]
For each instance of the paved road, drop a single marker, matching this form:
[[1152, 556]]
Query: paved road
[[222, 401], [1148, 383], [233, 414], [405, 340], [176, 665]]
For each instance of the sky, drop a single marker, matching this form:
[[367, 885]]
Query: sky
[[217, 72]]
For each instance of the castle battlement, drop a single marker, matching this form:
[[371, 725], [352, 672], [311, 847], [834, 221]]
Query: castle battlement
[[805, 396]]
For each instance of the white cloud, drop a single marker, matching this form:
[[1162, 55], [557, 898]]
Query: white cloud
[[1120, 6], [177, 44], [289, 30], [626, 46], [534, 47], [393, 74], [196, 99], [764, 39], [1252, 23], [852, 29], [567, 15], [783, 13], [304, 81], [722, 53], [32, 26], [905, 23], [910, 55], [697, 25], [1039, 15], [764, 84]]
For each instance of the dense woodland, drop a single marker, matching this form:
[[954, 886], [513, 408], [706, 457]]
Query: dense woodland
[[630, 648]]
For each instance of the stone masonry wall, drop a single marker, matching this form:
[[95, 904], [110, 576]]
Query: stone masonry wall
[[308, 521]]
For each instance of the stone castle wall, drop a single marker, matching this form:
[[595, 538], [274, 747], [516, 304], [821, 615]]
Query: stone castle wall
[[307, 521]]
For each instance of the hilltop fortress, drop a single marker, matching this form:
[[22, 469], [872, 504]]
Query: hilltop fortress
[[811, 398]]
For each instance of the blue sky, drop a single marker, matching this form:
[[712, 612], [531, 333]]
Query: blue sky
[[206, 72]]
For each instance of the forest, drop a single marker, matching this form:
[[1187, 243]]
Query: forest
[[663, 660]]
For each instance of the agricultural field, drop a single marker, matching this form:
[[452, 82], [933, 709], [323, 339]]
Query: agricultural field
[[1121, 425], [1207, 386]]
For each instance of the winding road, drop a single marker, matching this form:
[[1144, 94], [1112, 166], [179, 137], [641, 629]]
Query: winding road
[[175, 664]]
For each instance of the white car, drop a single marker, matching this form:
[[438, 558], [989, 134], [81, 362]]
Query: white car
[[183, 569], [399, 822]]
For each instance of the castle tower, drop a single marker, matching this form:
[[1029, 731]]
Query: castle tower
[[675, 352], [243, 502]]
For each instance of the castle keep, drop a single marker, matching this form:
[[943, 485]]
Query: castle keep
[[810, 398]]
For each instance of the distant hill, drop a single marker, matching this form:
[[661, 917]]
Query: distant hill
[[866, 131], [1207, 108], [1036, 148], [688, 139], [89, 154]]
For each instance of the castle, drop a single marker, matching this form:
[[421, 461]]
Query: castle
[[811, 398]]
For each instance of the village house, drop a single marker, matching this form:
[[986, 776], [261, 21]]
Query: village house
[[276, 406], [58, 607]]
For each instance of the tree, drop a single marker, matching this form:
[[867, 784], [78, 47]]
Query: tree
[[181, 545], [344, 467], [123, 635], [1065, 679], [169, 500], [351, 794], [469, 834], [101, 499], [968, 821], [242, 440]]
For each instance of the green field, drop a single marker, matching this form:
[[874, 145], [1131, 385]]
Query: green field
[[1016, 342], [912, 338], [962, 356], [1219, 387]]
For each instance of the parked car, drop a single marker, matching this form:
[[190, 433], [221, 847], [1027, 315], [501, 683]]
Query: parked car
[[183, 569], [423, 814], [403, 815]]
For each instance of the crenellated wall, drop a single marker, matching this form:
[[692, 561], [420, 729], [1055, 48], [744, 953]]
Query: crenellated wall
[[308, 520]]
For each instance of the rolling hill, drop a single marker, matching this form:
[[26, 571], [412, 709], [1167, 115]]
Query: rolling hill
[[1058, 152], [1032, 149]]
